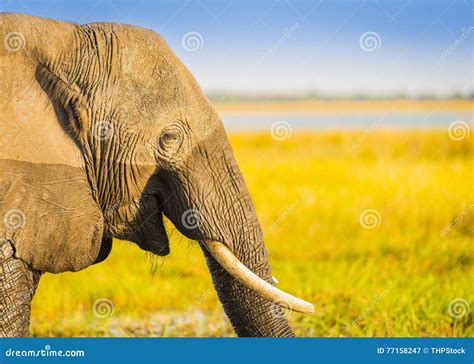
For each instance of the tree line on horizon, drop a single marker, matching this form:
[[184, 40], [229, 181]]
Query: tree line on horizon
[[314, 96]]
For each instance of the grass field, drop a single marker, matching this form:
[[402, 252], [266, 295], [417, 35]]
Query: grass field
[[375, 228]]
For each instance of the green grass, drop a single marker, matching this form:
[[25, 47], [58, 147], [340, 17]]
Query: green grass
[[396, 279]]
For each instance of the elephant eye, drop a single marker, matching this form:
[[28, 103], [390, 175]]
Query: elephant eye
[[170, 139]]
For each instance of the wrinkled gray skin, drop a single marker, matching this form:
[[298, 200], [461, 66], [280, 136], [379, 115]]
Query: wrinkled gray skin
[[104, 131]]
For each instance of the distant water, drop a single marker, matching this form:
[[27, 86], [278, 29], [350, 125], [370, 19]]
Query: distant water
[[242, 122]]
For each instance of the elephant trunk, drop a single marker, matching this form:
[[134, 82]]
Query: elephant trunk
[[239, 271], [223, 219], [237, 257], [249, 313]]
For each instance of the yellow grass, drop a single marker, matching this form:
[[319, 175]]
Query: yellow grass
[[397, 278]]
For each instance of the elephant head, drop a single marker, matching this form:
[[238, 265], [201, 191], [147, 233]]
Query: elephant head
[[110, 133]]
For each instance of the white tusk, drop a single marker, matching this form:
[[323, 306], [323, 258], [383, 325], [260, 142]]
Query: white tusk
[[239, 271], [275, 280]]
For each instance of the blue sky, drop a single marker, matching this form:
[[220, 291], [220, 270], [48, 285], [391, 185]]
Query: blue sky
[[328, 46]]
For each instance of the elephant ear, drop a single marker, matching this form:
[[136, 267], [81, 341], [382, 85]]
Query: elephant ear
[[47, 207], [49, 215]]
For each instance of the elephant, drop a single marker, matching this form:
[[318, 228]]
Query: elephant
[[104, 132]]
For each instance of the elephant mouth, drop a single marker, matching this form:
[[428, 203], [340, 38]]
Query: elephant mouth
[[158, 244], [148, 230], [229, 262]]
